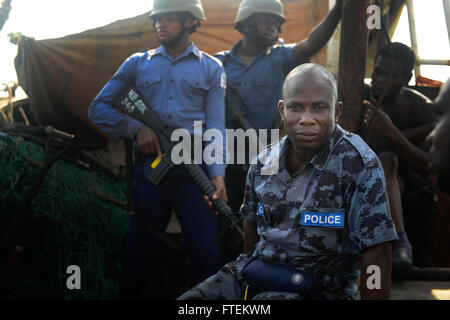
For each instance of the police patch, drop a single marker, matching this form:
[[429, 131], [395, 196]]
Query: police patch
[[260, 210], [223, 80], [322, 219]]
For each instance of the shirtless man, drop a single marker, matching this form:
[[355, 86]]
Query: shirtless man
[[396, 130]]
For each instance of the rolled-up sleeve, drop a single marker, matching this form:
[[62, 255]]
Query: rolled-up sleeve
[[101, 111], [250, 205], [287, 53], [370, 221]]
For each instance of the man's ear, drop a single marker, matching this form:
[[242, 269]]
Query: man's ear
[[338, 111], [281, 109], [190, 21]]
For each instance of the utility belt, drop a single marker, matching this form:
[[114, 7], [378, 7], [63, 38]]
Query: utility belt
[[262, 276]]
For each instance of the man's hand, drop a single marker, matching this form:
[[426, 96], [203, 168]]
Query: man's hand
[[148, 141], [377, 127], [221, 191], [387, 134], [379, 121]]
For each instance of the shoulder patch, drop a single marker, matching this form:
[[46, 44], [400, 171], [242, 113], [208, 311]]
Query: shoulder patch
[[367, 155], [223, 80]]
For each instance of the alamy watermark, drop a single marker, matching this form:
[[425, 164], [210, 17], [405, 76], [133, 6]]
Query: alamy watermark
[[74, 280], [374, 20], [236, 151], [374, 280]]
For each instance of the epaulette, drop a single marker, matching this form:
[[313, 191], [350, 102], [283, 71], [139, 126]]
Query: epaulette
[[212, 58], [367, 155]]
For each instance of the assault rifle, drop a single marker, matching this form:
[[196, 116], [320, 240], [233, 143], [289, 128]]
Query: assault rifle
[[234, 117], [133, 104], [233, 113]]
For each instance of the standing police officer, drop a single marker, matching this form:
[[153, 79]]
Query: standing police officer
[[256, 67], [323, 213], [182, 84]]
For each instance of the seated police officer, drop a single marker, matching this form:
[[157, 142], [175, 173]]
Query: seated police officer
[[319, 215], [181, 84]]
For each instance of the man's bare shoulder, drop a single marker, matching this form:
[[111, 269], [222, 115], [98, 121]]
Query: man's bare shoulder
[[414, 96], [417, 105]]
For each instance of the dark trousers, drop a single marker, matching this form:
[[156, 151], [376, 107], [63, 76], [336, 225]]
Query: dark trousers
[[231, 241], [235, 179], [155, 204]]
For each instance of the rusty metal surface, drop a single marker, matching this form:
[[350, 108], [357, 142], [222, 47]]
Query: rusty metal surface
[[352, 58]]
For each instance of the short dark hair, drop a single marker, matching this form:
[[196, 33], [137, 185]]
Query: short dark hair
[[402, 53]]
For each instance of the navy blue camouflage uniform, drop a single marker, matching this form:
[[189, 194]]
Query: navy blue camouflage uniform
[[345, 176]]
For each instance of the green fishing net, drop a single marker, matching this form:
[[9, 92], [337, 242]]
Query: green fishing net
[[73, 221]]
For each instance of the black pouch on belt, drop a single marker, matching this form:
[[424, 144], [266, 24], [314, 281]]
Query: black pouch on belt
[[274, 277]]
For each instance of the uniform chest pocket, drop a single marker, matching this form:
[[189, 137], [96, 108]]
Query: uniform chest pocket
[[262, 83], [194, 85], [322, 230], [150, 87], [262, 93], [148, 81]]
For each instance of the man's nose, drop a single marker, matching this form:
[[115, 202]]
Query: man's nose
[[307, 118], [271, 28], [160, 22], [382, 78]]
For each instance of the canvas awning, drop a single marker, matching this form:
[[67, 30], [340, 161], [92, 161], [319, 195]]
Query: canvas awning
[[62, 76]]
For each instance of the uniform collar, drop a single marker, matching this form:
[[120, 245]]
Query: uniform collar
[[191, 49], [265, 52], [320, 160]]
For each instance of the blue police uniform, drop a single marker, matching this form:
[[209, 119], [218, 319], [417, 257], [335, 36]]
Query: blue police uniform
[[259, 84], [256, 89], [182, 90], [318, 221]]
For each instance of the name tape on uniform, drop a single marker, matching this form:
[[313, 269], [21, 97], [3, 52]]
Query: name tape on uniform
[[322, 219]]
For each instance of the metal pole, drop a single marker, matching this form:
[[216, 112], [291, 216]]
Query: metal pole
[[352, 62], [436, 62], [446, 5], [413, 35]]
